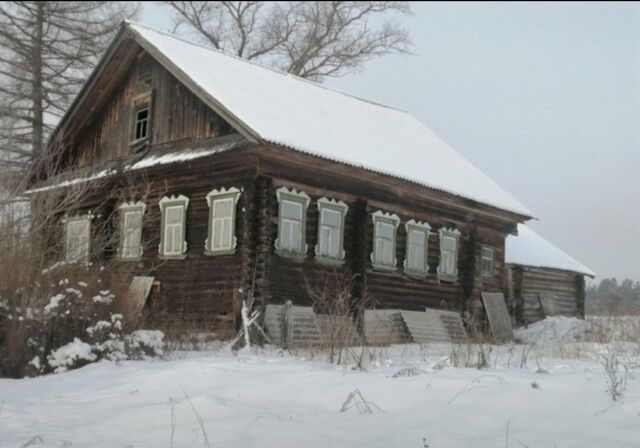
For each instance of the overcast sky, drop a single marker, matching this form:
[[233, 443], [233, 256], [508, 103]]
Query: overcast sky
[[544, 98]]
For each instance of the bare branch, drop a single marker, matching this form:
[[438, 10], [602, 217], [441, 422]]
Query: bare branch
[[309, 39]]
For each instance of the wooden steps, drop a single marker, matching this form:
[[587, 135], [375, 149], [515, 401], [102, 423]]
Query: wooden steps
[[297, 326]]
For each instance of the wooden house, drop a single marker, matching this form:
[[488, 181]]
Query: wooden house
[[541, 279], [257, 180]]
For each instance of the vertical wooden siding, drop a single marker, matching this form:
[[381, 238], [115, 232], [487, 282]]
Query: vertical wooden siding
[[177, 115]]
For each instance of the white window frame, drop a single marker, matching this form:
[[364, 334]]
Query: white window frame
[[443, 274], [130, 207], [165, 204], [331, 206], [215, 197], [391, 219], [302, 200], [491, 260], [423, 227], [87, 218]]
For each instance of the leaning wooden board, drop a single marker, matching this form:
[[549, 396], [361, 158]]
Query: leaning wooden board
[[548, 302], [499, 319], [138, 293]]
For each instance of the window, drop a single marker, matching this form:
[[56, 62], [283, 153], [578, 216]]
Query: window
[[448, 267], [77, 238], [222, 221], [486, 261], [330, 245], [131, 230], [292, 222], [141, 123], [141, 117], [415, 262], [173, 243], [384, 240]]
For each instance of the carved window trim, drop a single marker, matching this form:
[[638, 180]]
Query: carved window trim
[[214, 197], [447, 234], [411, 227], [166, 203], [331, 206], [125, 209], [389, 219], [300, 199], [85, 219]]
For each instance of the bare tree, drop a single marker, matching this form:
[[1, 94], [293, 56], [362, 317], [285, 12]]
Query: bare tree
[[309, 39], [46, 52]]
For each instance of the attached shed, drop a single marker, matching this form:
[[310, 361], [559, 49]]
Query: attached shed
[[542, 280]]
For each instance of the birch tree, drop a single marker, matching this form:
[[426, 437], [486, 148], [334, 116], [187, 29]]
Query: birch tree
[[46, 52], [309, 39]]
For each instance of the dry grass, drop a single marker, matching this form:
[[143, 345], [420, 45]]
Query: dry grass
[[30, 327]]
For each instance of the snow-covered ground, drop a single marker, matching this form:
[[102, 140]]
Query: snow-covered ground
[[277, 399]]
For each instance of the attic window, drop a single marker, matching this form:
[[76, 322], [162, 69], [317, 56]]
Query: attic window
[[141, 125], [141, 113]]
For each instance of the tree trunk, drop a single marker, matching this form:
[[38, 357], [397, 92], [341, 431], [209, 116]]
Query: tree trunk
[[37, 93]]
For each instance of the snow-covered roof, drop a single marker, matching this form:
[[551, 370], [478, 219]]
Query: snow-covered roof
[[530, 249], [283, 109]]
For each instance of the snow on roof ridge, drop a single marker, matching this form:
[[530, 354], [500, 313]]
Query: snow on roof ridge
[[264, 66], [529, 248]]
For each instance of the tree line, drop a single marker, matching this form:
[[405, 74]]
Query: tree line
[[613, 296]]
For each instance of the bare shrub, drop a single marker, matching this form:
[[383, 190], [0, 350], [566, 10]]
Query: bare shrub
[[617, 373], [46, 303], [356, 401], [474, 353], [51, 311], [477, 383], [336, 313]]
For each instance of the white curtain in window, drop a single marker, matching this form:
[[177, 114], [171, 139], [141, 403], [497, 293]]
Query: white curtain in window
[[291, 226], [448, 260], [77, 240], [385, 233], [330, 233], [173, 230], [132, 234], [416, 249], [222, 224]]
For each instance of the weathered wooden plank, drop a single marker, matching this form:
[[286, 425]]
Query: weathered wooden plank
[[498, 316]]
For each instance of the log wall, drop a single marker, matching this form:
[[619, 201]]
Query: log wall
[[291, 279], [201, 291], [528, 283]]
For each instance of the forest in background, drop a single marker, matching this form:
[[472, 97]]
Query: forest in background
[[613, 296]]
